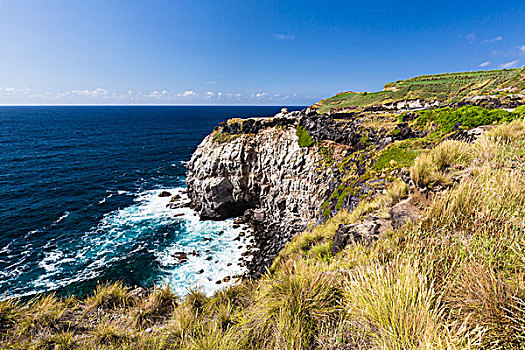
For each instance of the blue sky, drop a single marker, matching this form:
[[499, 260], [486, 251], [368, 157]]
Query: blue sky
[[242, 52]]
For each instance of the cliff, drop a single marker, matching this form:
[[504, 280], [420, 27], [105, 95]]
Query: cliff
[[282, 173], [263, 176]]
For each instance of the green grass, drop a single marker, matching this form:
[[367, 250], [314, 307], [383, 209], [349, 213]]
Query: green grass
[[399, 154], [444, 87], [305, 140]]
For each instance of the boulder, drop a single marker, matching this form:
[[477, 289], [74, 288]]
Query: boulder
[[364, 233], [175, 198], [165, 194], [182, 257], [409, 210]]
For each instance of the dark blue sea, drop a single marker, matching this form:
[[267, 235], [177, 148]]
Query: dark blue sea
[[79, 199]]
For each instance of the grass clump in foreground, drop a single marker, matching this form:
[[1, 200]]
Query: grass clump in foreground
[[453, 280], [110, 296]]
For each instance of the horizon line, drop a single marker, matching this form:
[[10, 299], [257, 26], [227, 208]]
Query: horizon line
[[141, 105]]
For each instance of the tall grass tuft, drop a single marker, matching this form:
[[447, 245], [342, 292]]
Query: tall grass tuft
[[435, 166], [396, 304], [43, 314], [289, 306], [9, 312], [159, 304], [110, 296]]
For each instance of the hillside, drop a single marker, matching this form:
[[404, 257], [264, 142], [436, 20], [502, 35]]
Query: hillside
[[372, 229], [445, 88]]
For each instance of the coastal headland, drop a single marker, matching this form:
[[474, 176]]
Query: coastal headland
[[379, 220]]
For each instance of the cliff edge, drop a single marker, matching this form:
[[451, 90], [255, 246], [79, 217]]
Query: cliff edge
[[262, 175]]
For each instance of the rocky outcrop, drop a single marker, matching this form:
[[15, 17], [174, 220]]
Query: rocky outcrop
[[363, 232], [265, 177], [255, 169], [492, 101]]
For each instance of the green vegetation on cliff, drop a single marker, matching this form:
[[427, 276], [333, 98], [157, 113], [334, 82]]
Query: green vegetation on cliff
[[443, 87], [305, 140], [466, 117]]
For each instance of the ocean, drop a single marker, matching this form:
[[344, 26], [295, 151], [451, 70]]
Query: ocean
[[79, 199]]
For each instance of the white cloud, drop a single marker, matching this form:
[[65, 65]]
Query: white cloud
[[92, 94], [188, 93], [510, 64], [11, 92], [484, 64], [128, 96], [259, 95], [280, 36], [522, 48], [492, 40]]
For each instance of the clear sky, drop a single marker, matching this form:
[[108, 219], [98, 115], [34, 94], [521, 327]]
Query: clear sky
[[242, 52]]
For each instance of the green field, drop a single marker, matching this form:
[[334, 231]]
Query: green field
[[443, 87]]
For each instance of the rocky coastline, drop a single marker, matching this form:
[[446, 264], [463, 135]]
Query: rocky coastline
[[256, 171], [261, 176]]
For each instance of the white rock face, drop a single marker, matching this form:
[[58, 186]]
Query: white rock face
[[411, 104], [267, 171]]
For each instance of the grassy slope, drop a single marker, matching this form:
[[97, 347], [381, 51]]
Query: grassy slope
[[444, 87]]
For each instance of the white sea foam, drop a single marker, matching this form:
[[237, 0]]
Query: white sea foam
[[110, 242], [216, 237], [65, 215]]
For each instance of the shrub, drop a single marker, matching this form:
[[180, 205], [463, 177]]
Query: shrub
[[305, 140], [467, 117]]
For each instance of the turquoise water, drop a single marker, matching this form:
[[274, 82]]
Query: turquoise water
[[79, 191]]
